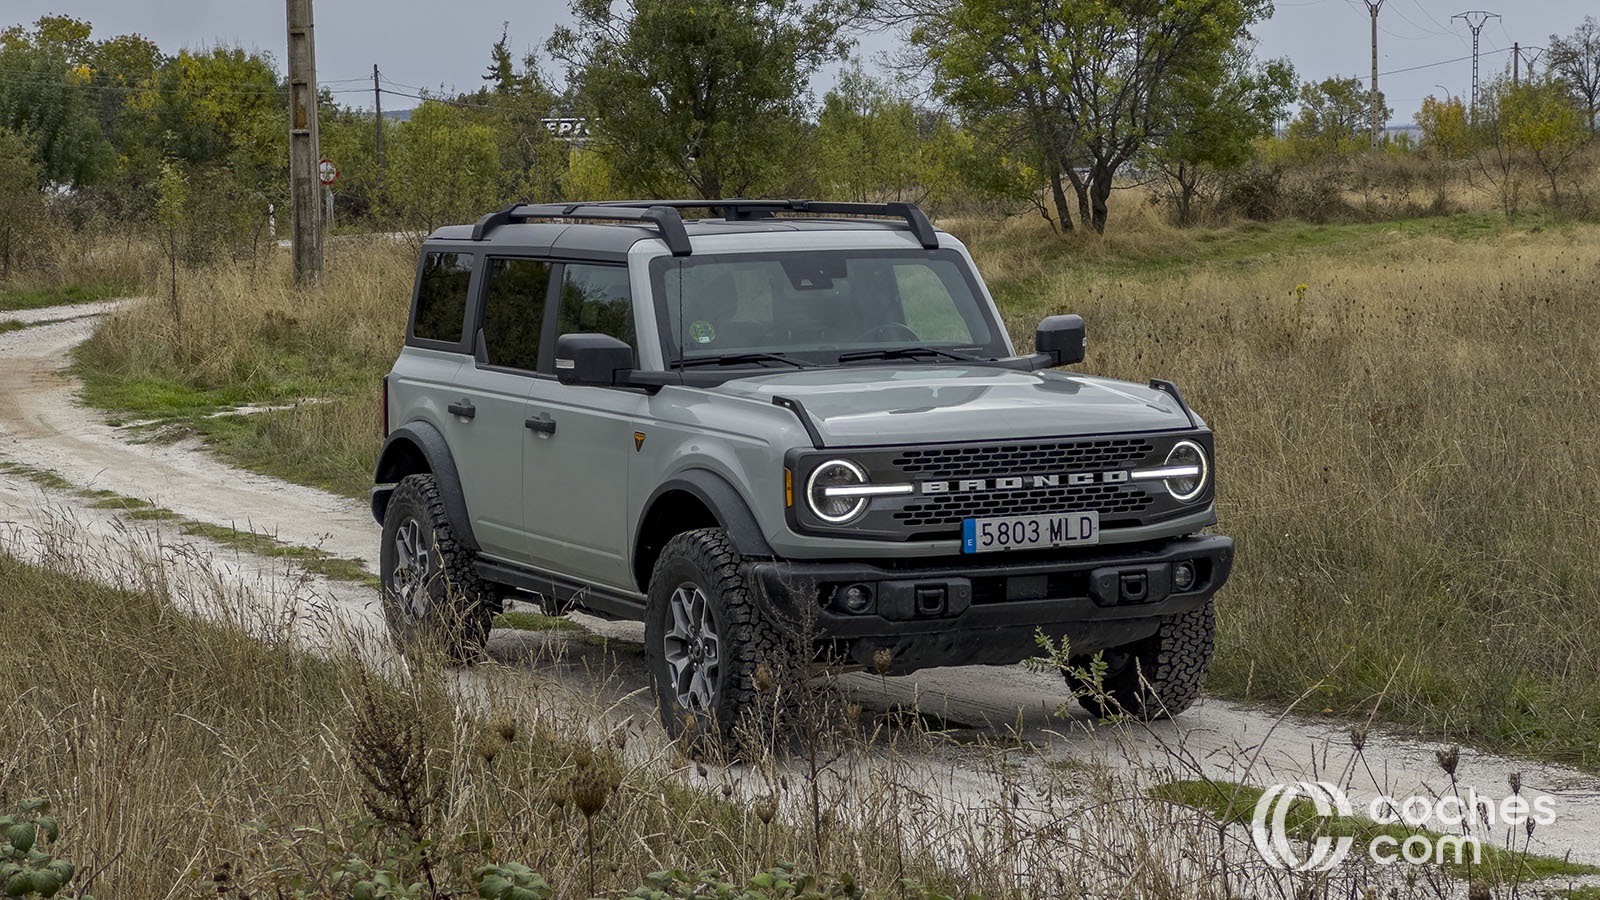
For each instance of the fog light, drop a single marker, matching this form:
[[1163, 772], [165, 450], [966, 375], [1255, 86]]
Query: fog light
[[1183, 576], [857, 598]]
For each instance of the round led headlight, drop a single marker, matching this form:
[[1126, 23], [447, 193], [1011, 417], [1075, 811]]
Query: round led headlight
[[1188, 458], [836, 473]]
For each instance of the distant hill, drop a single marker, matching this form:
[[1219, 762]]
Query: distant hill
[[399, 115]]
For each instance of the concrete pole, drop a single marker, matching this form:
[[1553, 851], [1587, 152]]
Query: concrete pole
[[304, 154], [1377, 105], [377, 111]]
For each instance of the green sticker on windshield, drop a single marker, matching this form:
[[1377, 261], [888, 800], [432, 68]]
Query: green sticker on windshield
[[702, 332]]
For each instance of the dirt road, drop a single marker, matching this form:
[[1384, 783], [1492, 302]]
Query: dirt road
[[44, 428]]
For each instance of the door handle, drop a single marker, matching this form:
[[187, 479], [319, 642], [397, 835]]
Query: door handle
[[541, 425], [464, 409]]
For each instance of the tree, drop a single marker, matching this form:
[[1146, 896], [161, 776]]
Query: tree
[[706, 95], [867, 145], [1215, 123], [21, 203], [172, 227], [1095, 82], [1446, 131], [444, 167], [1335, 119], [1575, 59], [500, 73], [1540, 121], [42, 96], [992, 61], [1447, 140], [533, 160]]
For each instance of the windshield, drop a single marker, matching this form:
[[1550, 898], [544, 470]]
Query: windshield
[[812, 307]]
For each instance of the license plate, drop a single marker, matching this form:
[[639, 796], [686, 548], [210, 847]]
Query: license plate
[[1029, 532]]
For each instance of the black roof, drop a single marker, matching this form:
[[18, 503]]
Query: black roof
[[570, 230]]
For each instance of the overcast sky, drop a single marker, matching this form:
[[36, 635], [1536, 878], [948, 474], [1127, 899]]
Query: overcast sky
[[424, 43]]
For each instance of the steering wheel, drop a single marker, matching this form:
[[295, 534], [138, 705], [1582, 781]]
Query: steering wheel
[[904, 330]]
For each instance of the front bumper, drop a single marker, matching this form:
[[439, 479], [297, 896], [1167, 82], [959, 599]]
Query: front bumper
[[988, 609]]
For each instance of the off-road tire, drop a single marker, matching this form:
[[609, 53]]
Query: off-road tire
[[458, 605], [1157, 677], [745, 632]]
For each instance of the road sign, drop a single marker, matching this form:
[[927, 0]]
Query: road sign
[[327, 171], [567, 129]]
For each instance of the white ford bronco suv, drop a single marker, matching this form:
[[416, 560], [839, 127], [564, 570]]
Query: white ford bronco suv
[[786, 409]]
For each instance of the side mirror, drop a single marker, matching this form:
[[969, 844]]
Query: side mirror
[[592, 359], [1062, 338]]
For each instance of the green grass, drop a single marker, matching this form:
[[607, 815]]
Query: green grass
[[1236, 803], [153, 514], [42, 477], [62, 296], [1578, 893], [316, 561]]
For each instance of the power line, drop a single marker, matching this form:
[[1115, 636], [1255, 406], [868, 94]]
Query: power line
[[1442, 62], [44, 78]]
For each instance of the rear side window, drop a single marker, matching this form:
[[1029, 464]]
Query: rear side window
[[513, 311], [442, 297], [597, 300]]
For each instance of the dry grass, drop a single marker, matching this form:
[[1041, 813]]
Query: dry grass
[[79, 268], [1403, 442], [184, 756], [241, 334], [189, 756]]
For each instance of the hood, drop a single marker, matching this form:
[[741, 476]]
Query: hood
[[947, 403]]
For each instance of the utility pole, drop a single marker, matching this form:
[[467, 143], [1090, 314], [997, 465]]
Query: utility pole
[[377, 113], [1377, 105], [1516, 61], [1475, 19], [1533, 54], [304, 183]]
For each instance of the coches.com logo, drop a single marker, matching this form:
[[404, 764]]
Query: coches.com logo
[[1396, 830], [1269, 826]]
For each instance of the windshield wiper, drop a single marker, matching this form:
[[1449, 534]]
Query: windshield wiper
[[905, 353], [739, 359]]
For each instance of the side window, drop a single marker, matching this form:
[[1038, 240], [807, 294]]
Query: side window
[[442, 297], [597, 299], [513, 311]]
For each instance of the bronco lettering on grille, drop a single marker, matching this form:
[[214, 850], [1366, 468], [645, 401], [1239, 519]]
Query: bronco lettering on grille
[[1021, 482]]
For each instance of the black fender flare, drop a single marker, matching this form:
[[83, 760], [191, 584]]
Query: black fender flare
[[724, 502], [427, 439]]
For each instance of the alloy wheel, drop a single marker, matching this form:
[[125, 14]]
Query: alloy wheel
[[693, 649]]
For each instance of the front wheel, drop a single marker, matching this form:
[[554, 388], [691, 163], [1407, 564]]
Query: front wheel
[[704, 636], [1154, 678], [432, 595]]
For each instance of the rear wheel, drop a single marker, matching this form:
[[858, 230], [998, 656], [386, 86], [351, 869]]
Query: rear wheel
[[432, 595], [704, 636], [1157, 677]]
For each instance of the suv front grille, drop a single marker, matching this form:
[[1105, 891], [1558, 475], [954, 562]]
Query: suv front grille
[[1112, 502], [933, 463]]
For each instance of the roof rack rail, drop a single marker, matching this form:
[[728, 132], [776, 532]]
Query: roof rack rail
[[665, 215], [665, 218]]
